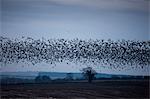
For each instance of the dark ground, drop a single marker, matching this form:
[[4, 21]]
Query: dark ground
[[116, 89]]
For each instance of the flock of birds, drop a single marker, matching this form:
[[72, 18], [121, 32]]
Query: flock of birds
[[114, 54]]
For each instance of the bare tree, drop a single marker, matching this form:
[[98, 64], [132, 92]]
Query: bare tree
[[89, 73]]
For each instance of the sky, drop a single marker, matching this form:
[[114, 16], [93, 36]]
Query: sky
[[69, 19]]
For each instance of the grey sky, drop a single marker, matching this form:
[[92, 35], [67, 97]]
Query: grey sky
[[84, 19], [101, 19]]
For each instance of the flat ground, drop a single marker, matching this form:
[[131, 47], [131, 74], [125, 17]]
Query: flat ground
[[122, 89]]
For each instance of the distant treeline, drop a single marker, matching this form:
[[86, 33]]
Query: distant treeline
[[47, 79]]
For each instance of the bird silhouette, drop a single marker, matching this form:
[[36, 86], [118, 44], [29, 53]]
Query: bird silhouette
[[116, 54]]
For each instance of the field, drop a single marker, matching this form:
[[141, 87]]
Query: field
[[122, 89]]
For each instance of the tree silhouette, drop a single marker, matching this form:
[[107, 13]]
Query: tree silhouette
[[89, 73]]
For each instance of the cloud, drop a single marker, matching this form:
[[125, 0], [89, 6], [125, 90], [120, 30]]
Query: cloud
[[137, 5], [98, 16], [29, 8]]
